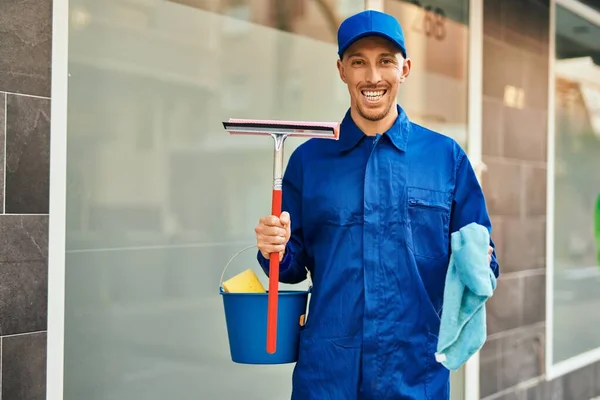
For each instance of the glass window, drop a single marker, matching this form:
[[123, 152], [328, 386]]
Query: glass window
[[160, 197], [436, 92], [576, 177]]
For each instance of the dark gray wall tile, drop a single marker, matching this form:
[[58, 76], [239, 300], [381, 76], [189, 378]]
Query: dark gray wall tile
[[23, 238], [502, 65], [505, 308], [523, 23], [534, 299], [28, 155], [23, 273], [514, 395], [526, 24], [24, 367], [2, 138], [525, 134], [597, 379], [536, 82], [532, 348], [492, 19], [524, 244], [579, 385], [524, 42], [521, 354], [492, 140], [535, 191], [498, 238], [502, 186], [534, 393], [23, 297], [554, 390], [490, 366], [523, 363], [26, 46], [545, 391]]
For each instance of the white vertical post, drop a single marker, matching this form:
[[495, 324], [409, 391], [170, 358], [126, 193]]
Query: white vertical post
[[58, 200], [475, 86], [475, 125], [550, 197]]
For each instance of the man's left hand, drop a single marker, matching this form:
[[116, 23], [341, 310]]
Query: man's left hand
[[490, 251]]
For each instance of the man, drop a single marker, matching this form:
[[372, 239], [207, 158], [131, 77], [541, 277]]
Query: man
[[370, 216]]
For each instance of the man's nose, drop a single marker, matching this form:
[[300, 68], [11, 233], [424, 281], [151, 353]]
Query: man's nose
[[373, 74]]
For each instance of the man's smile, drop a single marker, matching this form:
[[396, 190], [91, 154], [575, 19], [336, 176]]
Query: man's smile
[[373, 96]]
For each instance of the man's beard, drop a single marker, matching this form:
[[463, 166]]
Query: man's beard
[[373, 117]]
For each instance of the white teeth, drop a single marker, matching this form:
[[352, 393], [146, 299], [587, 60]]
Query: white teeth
[[373, 95]]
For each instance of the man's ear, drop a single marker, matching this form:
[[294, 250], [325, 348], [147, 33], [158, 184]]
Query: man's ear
[[340, 67], [406, 66]]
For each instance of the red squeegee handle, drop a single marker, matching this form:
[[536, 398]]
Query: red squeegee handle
[[273, 284]]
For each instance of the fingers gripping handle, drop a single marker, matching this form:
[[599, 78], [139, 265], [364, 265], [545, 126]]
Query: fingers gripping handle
[[273, 284]]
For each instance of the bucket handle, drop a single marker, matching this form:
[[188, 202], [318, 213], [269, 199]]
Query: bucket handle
[[246, 249], [231, 259]]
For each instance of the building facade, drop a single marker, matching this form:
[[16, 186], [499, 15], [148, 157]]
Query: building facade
[[124, 199], [25, 88]]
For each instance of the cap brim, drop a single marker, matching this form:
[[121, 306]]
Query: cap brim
[[363, 35]]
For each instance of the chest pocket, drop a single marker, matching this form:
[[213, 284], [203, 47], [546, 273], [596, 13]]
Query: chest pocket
[[335, 199], [429, 219]]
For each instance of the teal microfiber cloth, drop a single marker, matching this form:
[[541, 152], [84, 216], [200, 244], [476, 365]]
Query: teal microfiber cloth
[[469, 283]]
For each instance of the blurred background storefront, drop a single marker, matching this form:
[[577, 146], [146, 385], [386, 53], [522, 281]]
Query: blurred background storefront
[[149, 197], [159, 196]]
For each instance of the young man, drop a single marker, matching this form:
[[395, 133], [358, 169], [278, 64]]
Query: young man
[[370, 216]]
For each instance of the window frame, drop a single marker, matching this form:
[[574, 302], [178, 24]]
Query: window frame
[[556, 370]]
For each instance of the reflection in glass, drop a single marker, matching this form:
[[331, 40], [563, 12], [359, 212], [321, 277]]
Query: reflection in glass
[[317, 19], [436, 92], [159, 197], [577, 187]]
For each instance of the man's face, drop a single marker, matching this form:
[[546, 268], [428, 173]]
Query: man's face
[[373, 69]]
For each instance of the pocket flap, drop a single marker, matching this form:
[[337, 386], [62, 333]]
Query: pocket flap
[[429, 198]]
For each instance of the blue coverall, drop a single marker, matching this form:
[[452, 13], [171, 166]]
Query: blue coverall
[[371, 220]]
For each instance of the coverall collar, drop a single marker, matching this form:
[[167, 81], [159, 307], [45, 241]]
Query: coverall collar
[[350, 133]]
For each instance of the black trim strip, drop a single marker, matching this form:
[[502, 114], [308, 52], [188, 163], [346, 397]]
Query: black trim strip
[[242, 125]]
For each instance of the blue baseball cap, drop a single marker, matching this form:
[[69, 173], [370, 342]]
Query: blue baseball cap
[[370, 23]]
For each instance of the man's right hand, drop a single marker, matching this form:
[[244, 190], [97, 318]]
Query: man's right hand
[[273, 233]]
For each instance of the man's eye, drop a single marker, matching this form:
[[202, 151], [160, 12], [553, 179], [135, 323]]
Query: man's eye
[[387, 61], [357, 62]]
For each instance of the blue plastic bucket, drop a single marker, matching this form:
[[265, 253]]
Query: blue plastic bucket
[[246, 320]]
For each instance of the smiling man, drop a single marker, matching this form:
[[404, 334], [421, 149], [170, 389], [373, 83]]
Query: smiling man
[[370, 216]]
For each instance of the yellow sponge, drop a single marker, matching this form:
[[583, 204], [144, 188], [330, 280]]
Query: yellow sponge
[[244, 282]]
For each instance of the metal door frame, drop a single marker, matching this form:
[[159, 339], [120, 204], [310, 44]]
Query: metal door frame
[[58, 201]]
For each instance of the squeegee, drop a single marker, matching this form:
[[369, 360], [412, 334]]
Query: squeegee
[[279, 131]]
